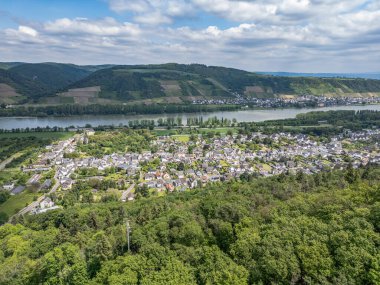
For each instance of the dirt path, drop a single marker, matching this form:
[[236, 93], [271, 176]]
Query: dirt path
[[8, 160]]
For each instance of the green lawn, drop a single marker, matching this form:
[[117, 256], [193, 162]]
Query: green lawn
[[267, 167], [17, 202], [181, 138]]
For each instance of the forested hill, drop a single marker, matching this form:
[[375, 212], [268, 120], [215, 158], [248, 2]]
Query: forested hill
[[33, 81], [196, 80], [50, 76], [287, 229], [164, 83]]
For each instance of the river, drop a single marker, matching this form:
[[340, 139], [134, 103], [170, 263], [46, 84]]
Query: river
[[241, 116]]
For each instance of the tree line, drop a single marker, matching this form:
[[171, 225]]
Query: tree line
[[95, 109]]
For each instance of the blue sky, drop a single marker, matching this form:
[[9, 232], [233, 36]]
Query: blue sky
[[256, 35]]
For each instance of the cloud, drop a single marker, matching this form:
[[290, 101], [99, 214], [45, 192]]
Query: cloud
[[154, 18], [22, 35], [27, 31], [237, 10], [292, 35], [139, 6], [153, 12], [80, 26]]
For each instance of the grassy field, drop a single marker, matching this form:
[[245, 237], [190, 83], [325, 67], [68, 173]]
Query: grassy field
[[164, 132], [220, 130], [17, 202], [50, 135], [267, 167], [181, 138], [174, 133], [8, 174]]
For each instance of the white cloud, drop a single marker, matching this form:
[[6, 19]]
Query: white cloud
[[104, 27], [237, 10], [152, 12], [154, 18], [27, 31], [139, 6]]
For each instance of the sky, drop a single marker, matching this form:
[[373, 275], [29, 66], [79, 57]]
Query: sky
[[255, 35]]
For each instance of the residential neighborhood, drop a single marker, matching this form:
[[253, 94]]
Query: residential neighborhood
[[289, 101], [174, 164]]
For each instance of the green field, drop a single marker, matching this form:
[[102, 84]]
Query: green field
[[49, 135], [9, 174], [181, 138], [164, 132], [173, 132], [220, 130], [17, 202]]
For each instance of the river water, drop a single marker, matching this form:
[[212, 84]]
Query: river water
[[241, 116]]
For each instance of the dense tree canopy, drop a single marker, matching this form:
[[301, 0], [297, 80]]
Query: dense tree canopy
[[287, 229]]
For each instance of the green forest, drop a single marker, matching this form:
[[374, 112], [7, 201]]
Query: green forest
[[287, 229]]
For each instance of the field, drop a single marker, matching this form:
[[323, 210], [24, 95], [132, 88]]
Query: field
[[181, 138], [171, 87], [163, 132], [8, 94], [48, 135], [81, 95], [9, 174], [223, 131], [17, 202]]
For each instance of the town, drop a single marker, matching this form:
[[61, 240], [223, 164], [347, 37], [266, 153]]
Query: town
[[184, 162], [289, 101]]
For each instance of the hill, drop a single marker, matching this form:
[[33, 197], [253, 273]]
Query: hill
[[16, 88], [7, 65], [50, 76], [55, 84], [33, 81], [180, 82]]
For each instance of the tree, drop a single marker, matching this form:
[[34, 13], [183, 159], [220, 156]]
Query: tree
[[217, 268], [142, 190], [4, 196], [99, 249], [3, 218], [351, 175], [62, 265]]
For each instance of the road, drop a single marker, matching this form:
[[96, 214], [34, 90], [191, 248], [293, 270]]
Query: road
[[124, 196], [31, 206], [35, 204]]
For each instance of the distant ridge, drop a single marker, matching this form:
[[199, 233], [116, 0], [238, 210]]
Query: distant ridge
[[367, 75]]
